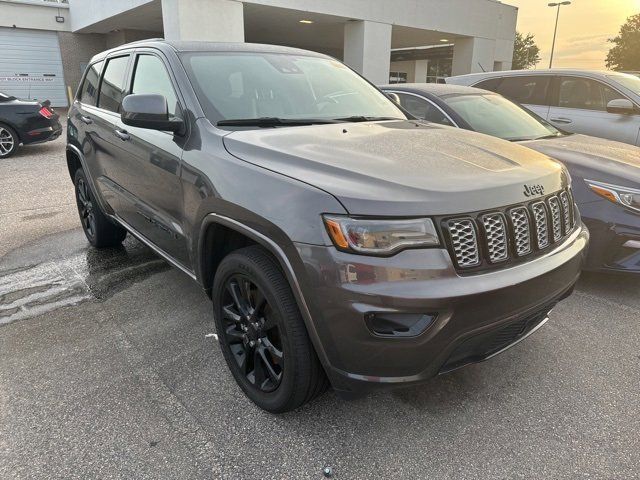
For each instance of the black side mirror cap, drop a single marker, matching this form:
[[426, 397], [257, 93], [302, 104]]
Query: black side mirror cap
[[149, 111]]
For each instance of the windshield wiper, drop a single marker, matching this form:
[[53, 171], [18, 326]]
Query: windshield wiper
[[272, 122], [362, 118]]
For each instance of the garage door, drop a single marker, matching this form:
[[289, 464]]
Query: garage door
[[31, 65]]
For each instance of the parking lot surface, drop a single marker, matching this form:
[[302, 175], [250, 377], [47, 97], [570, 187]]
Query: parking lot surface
[[108, 369]]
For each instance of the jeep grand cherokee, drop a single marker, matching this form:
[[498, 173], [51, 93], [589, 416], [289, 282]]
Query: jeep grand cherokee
[[340, 240]]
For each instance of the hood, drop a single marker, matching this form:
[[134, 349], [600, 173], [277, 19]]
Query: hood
[[400, 167], [593, 158]]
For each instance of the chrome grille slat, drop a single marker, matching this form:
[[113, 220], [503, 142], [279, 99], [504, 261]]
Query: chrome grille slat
[[566, 212], [521, 231], [556, 218], [496, 236], [465, 242], [542, 228]]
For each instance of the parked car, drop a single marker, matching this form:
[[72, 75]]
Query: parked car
[[337, 238], [25, 122], [636, 74], [606, 174], [601, 104]]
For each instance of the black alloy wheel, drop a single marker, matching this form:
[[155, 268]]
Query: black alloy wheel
[[252, 334], [86, 208]]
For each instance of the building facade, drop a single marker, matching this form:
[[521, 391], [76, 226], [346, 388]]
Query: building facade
[[47, 43]]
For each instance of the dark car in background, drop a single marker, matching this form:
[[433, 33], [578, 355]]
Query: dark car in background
[[339, 239], [606, 174], [25, 122]]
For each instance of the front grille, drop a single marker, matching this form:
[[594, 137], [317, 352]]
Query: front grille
[[488, 238], [465, 242]]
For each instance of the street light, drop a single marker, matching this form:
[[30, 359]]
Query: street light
[[555, 32]]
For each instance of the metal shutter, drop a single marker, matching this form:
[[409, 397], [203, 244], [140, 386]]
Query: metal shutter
[[31, 65]]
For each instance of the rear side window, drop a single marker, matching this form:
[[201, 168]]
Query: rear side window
[[151, 77], [529, 90], [585, 94], [491, 84], [89, 91], [112, 85], [423, 109]]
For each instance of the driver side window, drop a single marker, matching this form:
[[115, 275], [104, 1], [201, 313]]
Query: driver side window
[[585, 94], [151, 77]]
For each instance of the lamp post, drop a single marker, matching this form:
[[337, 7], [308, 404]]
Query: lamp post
[[555, 32]]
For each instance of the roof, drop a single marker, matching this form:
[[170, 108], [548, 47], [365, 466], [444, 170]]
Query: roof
[[437, 89], [180, 46], [546, 71]]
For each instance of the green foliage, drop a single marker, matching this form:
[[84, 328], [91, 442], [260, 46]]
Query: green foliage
[[625, 54], [526, 54]]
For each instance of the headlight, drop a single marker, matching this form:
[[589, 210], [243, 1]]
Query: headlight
[[380, 237], [625, 196]]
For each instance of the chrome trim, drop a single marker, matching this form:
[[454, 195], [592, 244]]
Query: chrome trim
[[453, 124], [154, 247]]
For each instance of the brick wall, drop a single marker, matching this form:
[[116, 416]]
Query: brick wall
[[77, 49]]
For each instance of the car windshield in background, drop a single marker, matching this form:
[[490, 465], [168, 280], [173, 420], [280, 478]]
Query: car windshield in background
[[284, 89], [632, 82], [496, 116]]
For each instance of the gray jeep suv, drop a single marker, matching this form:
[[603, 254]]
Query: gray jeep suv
[[340, 240]]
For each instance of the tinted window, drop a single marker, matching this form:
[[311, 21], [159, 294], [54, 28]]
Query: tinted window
[[527, 90], [151, 77], [491, 84], [423, 109], [585, 94], [112, 86], [89, 91], [254, 85]]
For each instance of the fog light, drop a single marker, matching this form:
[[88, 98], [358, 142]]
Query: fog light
[[391, 324]]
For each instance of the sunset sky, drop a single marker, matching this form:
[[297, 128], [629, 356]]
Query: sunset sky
[[584, 28]]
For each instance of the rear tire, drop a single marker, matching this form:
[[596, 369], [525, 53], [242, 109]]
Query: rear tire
[[9, 141], [99, 230], [261, 333]]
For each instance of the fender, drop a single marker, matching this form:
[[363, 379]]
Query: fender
[[286, 266]]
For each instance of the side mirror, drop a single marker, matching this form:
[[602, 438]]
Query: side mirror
[[394, 97], [149, 111], [621, 106]]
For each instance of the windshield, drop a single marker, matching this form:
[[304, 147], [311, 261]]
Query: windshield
[[631, 82], [496, 116], [260, 85]]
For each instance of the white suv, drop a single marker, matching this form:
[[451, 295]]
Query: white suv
[[599, 103]]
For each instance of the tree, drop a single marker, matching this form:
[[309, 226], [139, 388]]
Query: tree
[[526, 53], [625, 55]]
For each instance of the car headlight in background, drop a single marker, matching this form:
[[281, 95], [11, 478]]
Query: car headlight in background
[[380, 237], [625, 196]]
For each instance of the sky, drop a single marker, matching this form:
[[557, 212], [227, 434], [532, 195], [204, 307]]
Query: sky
[[584, 28]]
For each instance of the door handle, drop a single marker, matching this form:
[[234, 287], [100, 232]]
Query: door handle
[[86, 120], [561, 120], [122, 135]]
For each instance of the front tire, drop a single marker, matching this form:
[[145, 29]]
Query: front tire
[[98, 229], [261, 333], [9, 141]]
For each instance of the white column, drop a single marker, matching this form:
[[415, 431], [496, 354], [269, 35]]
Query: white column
[[367, 49], [420, 71], [203, 20], [473, 55]]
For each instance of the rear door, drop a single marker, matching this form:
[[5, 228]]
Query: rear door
[[580, 106], [532, 91], [149, 168]]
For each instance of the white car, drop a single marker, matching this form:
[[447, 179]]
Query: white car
[[598, 103]]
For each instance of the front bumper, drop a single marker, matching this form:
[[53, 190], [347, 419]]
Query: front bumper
[[343, 290], [615, 237]]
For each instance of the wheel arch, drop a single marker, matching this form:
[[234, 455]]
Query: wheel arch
[[214, 224]]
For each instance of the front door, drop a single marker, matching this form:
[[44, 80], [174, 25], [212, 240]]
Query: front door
[[580, 106], [149, 171]]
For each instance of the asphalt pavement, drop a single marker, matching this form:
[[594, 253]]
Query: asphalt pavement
[[108, 369]]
